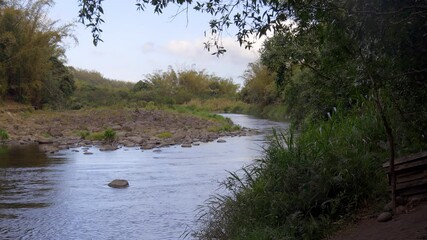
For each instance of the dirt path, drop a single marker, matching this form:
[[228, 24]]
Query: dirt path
[[408, 226]]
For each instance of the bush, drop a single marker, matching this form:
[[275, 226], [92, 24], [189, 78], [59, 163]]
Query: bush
[[109, 135]]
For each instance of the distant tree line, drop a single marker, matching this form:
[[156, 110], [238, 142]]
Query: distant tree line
[[161, 87], [178, 87]]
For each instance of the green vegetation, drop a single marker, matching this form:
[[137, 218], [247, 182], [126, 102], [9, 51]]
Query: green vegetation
[[108, 135], [178, 87], [84, 134], [306, 184], [224, 105], [157, 91], [164, 135], [3, 135], [31, 56], [349, 75], [94, 90]]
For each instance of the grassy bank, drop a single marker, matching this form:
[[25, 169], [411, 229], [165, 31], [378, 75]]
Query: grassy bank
[[306, 184]]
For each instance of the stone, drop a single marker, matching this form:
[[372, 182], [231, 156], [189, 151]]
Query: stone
[[108, 148], [186, 145], [221, 141], [44, 141], [401, 210], [87, 153], [137, 140], [119, 183], [384, 217]]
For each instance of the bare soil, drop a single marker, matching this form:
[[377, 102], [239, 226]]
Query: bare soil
[[406, 226]]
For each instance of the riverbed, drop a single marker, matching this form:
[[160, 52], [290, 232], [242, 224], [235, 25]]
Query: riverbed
[[65, 195]]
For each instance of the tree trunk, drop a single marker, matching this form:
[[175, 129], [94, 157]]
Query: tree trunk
[[390, 138]]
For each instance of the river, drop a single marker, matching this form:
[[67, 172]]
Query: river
[[65, 195]]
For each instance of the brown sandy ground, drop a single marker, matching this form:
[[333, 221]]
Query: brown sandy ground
[[133, 127], [406, 226]]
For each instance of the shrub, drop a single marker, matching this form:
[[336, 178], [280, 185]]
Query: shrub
[[109, 135], [4, 135]]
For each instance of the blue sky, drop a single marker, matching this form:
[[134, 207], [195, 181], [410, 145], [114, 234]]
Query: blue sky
[[139, 43]]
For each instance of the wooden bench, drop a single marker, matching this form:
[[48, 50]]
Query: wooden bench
[[411, 175]]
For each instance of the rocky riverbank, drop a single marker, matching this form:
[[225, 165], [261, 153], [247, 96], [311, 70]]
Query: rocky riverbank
[[142, 128]]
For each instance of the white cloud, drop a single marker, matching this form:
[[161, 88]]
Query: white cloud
[[192, 53]]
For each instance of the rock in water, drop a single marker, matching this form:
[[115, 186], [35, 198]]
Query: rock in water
[[221, 141], [384, 217], [186, 145], [119, 183]]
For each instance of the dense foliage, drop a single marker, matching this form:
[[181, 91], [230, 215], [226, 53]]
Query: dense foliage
[[94, 90], [31, 65], [351, 78], [160, 88], [173, 87]]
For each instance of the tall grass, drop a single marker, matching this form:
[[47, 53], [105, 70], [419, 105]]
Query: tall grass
[[304, 185]]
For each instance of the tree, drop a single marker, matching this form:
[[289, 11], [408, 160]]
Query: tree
[[30, 46], [375, 48], [259, 86]]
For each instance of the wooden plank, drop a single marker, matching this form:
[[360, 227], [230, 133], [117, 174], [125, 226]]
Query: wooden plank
[[411, 177], [415, 164], [409, 158], [411, 184], [412, 191]]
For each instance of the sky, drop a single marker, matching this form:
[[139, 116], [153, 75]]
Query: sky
[[139, 43]]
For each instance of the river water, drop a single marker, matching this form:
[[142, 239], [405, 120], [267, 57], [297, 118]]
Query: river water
[[65, 196]]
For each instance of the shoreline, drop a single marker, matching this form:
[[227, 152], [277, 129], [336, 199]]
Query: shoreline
[[146, 129]]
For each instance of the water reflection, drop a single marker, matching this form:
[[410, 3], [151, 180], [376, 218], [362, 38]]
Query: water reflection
[[66, 196], [22, 156]]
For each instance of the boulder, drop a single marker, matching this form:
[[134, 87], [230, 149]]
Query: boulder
[[186, 145], [221, 141], [119, 183], [384, 217]]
